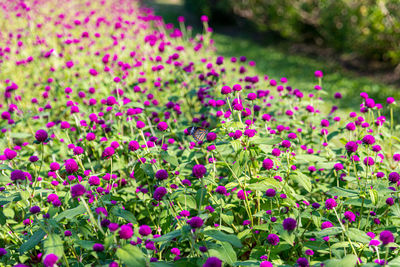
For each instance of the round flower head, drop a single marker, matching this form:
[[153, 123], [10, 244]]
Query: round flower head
[[386, 237], [213, 262], [268, 164], [50, 260], [303, 262], [270, 192], [34, 209], [330, 203], [289, 224], [162, 126], [226, 90], [159, 193], [273, 239], [17, 175], [126, 231], [199, 171], [325, 225], [161, 174], [98, 247], [394, 177], [77, 190], [195, 222], [3, 252], [368, 139], [221, 190], [71, 166], [266, 264], [54, 166], [144, 230], [41, 135]]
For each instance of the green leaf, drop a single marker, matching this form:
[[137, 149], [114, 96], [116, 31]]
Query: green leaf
[[358, 235], [329, 231], [332, 134], [20, 135], [32, 241], [161, 264], [71, 213], [86, 244], [349, 261], [127, 215], [227, 217], [224, 252], [247, 263], [342, 192], [4, 179], [170, 159], [220, 236], [148, 170], [303, 180], [264, 185], [5, 167], [53, 245], [132, 256], [169, 236], [265, 141]]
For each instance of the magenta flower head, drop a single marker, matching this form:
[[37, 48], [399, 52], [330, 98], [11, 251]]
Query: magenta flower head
[[199, 171], [71, 166], [3, 252], [226, 90], [126, 231], [268, 164], [330, 203], [368, 139], [273, 239], [351, 147], [195, 222], [161, 174], [98, 247], [393, 177], [50, 260], [17, 175], [34, 209], [140, 124], [162, 126], [159, 193], [211, 136], [318, 74], [144, 230], [270, 192], [54, 166], [386, 237], [9, 153], [221, 190], [133, 145], [266, 264], [77, 190], [289, 224], [390, 100], [303, 262], [41, 136], [213, 262]]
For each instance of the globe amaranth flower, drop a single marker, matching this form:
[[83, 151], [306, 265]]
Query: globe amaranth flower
[[77, 190], [213, 262], [41, 135], [98, 247], [195, 222], [162, 126], [3, 252], [9, 153], [50, 260], [133, 145], [386, 237], [350, 216], [226, 90], [303, 262], [159, 193], [273, 239], [108, 152], [54, 166], [161, 174], [268, 164], [199, 171], [34, 209], [266, 264], [221, 190], [17, 175], [394, 177], [368, 139], [289, 224], [270, 192], [325, 225], [144, 230], [126, 231], [309, 252], [369, 161], [71, 166], [330, 203]]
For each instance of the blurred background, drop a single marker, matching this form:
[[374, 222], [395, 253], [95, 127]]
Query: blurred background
[[355, 42]]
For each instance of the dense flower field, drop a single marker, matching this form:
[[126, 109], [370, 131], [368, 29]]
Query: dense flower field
[[100, 167]]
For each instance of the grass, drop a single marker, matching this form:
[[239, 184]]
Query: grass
[[274, 60]]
